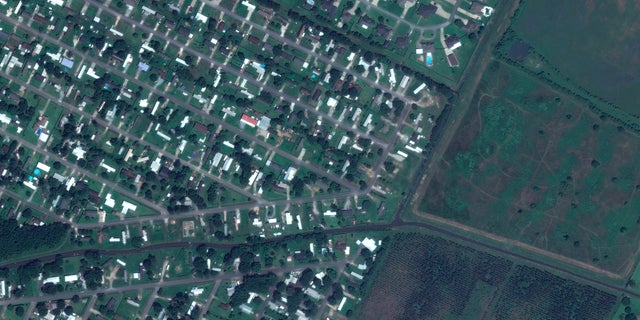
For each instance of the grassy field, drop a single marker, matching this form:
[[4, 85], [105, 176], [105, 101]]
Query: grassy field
[[439, 279], [533, 165], [533, 294], [596, 47]]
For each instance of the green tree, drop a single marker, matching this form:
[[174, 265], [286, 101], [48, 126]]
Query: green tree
[[19, 311], [93, 277]]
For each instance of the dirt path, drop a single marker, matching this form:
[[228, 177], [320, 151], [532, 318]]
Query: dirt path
[[469, 83], [467, 87], [521, 245]]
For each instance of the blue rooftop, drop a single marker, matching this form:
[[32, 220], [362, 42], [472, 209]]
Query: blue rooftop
[[143, 66], [67, 63]]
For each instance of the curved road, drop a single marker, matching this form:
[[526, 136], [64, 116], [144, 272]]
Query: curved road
[[413, 25], [395, 224]]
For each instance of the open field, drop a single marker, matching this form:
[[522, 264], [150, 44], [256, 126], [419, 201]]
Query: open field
[[596, 47], [436, 279], [533, 294], [439, 279], [534, 166]]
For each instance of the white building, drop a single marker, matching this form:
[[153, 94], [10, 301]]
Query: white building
[[290, 174]]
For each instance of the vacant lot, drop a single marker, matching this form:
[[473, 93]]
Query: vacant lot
[[430, 278], [532, 165], [534, 294], [594, 43], [425, 277]]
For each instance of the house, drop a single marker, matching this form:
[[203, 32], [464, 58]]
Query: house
[[94, 196], [143, 67], [453, 61], [273, 165], [111, 304], [40, 18], [220, 26], [382, 30], [164, 172], [316, 95], [41, 123], [403, 41], [470, 26], [366, 22], [91, 212], [249, 120], [452, 42], [267, 47], [128, 206], [301, 31], [427, 10], [264, 123], [224, 50], [266, 13], [14, 97], [290, 174], [299, 62], [286, 56], [253, 40], [67, 63], [3, 36], [347, 213], [200, 128], [305, 91], [428, 47], [476, 7], [13, 42], [346, 16], [128, 173], [212, 227], [328, 7]]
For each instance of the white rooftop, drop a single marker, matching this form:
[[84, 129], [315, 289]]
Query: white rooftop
[[369, 244], [109, 202], [126, 206]]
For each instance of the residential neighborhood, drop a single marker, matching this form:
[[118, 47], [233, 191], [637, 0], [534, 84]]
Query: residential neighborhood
[[215, 159]]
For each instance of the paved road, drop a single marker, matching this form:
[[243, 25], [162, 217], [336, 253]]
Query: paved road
[[205, 306], [88, 307], [233, 129], [84, 171], [394, 136], [188, 214], [455, 235], [212, 211], [30, 309], [275, 92], [462, 237], [36, 206], [309, 52], [389, 148], [129, 136], [168, 283], [369, 4]]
